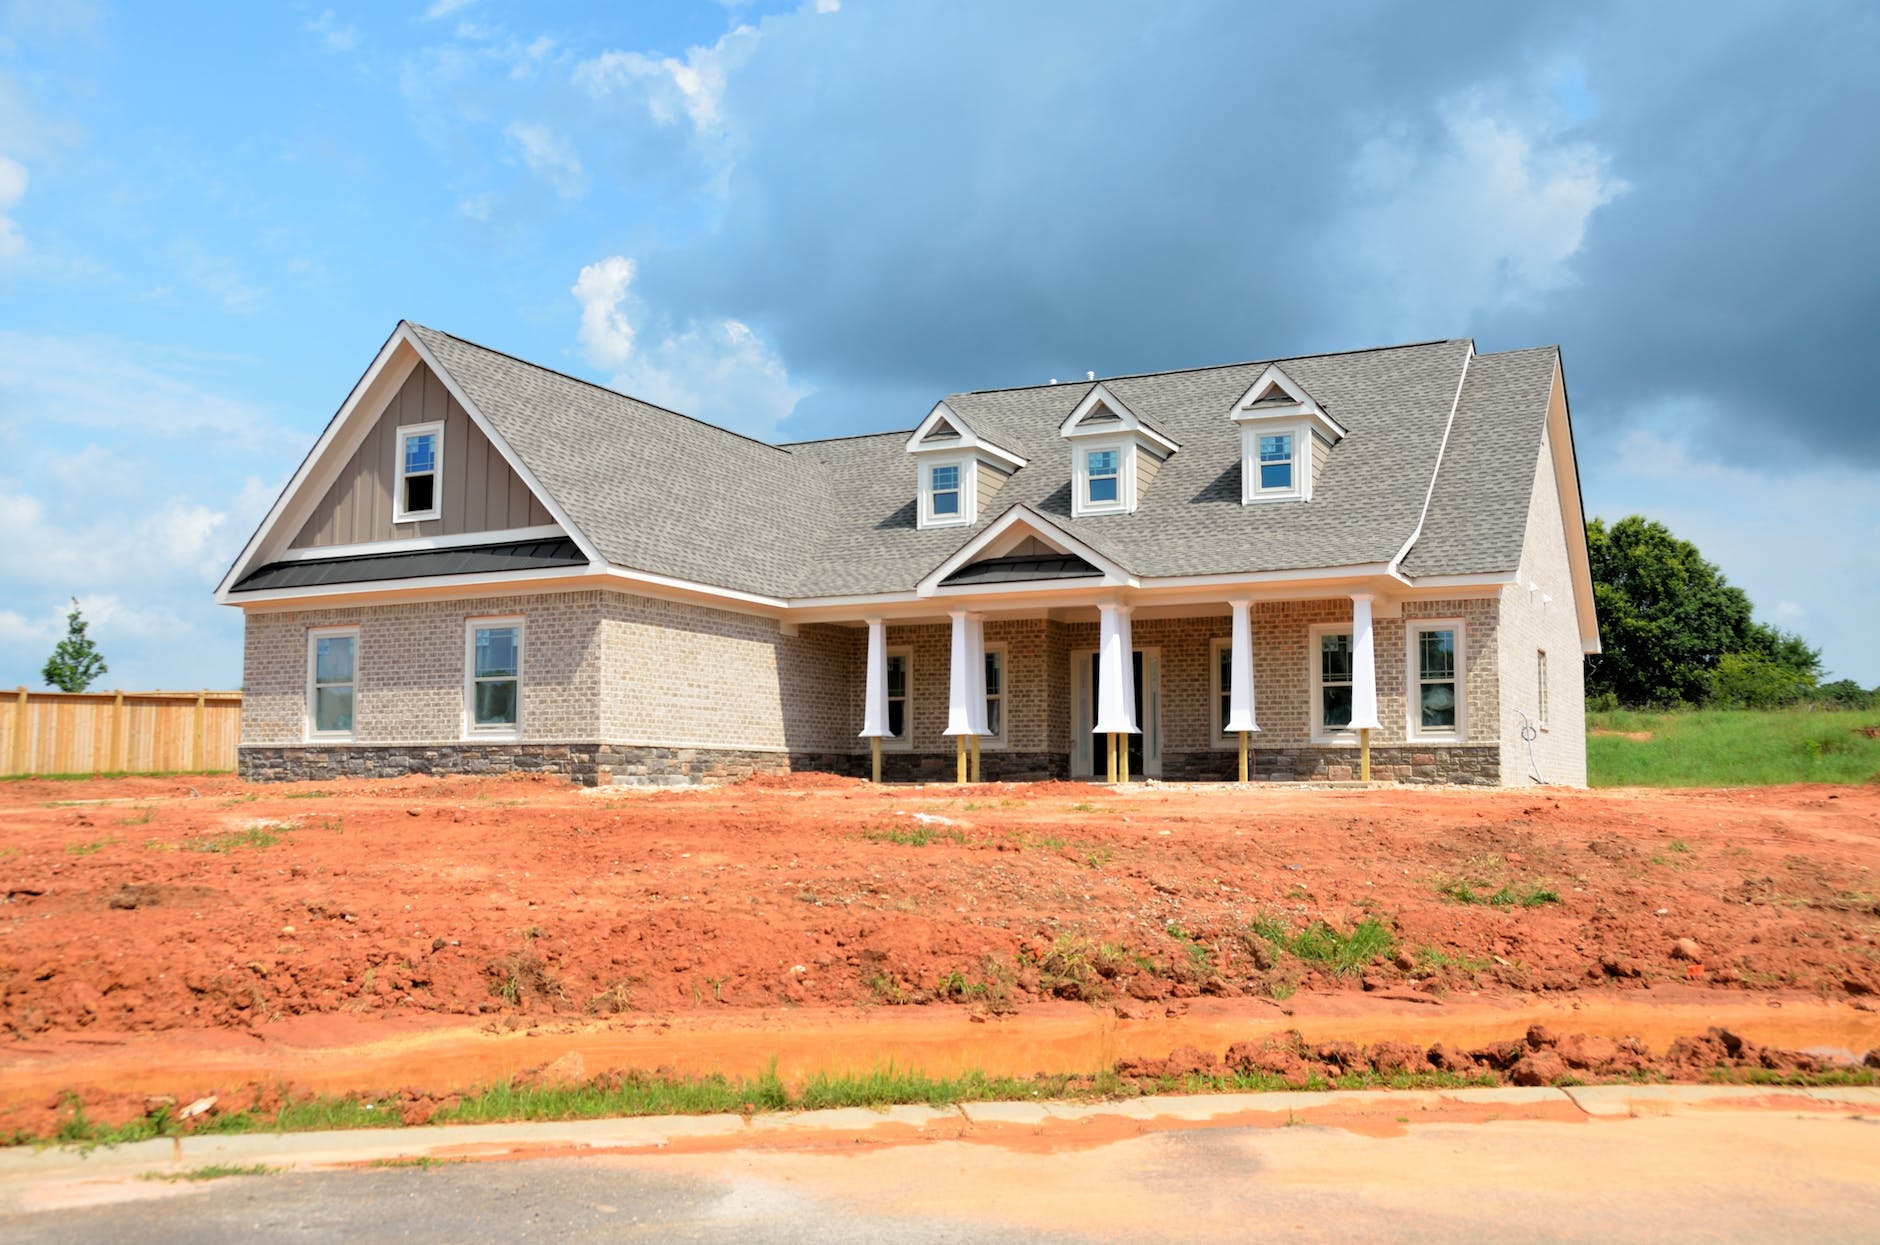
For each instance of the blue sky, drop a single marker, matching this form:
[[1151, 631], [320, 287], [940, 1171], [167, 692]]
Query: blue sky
[[814, 218]]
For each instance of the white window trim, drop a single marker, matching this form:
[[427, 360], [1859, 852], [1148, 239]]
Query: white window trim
[[1125, 450], [905, 743], [969, 490], [1540, 688], [470, 628], [1219, 742], [314, 636], [1303, 448], [1000, 741], [399, 513], [1414, 731], [1320, 735]]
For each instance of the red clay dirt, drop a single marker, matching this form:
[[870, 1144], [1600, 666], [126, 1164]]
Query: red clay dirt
[[208, 931]]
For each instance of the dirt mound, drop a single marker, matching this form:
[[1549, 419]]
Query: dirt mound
[[802, 781]]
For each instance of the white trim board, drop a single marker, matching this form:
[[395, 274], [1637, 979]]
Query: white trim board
[[418, 544]]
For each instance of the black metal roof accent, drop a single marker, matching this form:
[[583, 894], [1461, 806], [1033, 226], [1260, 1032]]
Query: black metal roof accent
[[1014, 570], [526, 555]]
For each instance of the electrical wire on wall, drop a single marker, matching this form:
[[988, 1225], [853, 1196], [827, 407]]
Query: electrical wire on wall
[[1530, 734]]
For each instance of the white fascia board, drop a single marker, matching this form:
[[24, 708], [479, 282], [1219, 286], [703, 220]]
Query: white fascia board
[[1482, 579], [1047, 530], [1572, 513], [509, 455], [968, 439], [1362, 570], [297, 483], [1127, 420], [1302, 406], [383, 590], [728, 596], [416, 544]]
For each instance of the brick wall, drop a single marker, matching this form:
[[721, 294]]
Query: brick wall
[[1530, 624]]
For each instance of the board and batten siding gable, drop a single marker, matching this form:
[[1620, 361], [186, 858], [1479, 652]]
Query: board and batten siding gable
[[478, 493]]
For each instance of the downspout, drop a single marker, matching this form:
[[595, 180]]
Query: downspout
[[1430, 492]]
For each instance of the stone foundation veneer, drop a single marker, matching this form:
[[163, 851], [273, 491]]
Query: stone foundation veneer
[[586, 763], [1469, 764]]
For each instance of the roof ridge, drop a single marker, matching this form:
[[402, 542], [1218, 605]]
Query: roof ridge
[[542, 367], [1215, 367], [855, 436]]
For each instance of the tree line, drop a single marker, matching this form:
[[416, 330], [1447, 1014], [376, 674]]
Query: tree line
[[1674, 632]]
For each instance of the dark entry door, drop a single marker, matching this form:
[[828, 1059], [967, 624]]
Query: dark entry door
[[1096, 698]]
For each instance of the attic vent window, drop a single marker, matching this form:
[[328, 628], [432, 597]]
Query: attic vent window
[[420, 459]]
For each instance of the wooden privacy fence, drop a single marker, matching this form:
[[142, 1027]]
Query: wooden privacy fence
[[118, 732]]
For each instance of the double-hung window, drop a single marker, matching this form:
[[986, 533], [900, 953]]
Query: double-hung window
[[1540, 685], [898, 684], [332, 680], [1102, 480], [946, 491], [420, 464], [1435, 680], [1223, 682], [1333, 683], [1276, 462], [995, 694], [493, 677]]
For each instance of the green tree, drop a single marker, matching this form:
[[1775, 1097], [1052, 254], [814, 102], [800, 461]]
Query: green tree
[[1667, 620], [76, 663]]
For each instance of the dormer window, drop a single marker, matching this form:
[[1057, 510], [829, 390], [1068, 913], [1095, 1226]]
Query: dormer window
[[1285, 436], [420, 462], [958, 470], [944, 490], [1114, 454]]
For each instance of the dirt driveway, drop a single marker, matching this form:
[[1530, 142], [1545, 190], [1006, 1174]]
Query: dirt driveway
[[145, 919]]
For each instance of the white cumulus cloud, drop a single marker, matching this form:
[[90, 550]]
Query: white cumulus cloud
[[693, 87], [715, 369], [551, 156]]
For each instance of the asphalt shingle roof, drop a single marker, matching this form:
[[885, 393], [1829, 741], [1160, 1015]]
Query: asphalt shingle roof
[[666, 494]]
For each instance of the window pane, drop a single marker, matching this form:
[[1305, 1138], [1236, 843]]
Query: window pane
[[945, 478], [1102, 462], [1103, 488], [1439, 704], [995, 670], [897, 676], [1436, 654], [333, 659], [1335, 658], [421, 453], [333, 708], [1335, 703], [1275, 475], [1276, 449], [420, 491], [994, 710], [496, 703], [946, 503], [897, 718], [496, 651]]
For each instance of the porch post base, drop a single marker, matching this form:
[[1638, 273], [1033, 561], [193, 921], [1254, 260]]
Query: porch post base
[[874, 752], [960, 759], [1364, 755], [1243, 756], [976, 770]]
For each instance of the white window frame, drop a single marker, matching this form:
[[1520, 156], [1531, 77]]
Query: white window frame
[[905, 741], [314, 636], [1216, 647], [1540, 688], [1414, 730], [1125, 451], [504, 730], [399, 513], [969, 490], [1303, 448], [1002, 651], [1320, 735]]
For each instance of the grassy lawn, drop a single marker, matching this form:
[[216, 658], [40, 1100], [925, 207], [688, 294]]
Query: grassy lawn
[[1731, 748]]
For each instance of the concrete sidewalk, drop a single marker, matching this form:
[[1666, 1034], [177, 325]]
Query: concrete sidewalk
[[903, 1123]]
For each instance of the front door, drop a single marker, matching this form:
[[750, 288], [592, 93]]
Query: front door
[[1145, 747]]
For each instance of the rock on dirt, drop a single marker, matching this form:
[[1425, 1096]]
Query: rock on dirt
[[1687, 949]]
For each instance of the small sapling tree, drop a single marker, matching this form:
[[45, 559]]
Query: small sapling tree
[[76, 663]]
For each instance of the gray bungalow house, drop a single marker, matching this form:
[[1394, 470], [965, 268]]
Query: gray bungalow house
[[1370, 563]]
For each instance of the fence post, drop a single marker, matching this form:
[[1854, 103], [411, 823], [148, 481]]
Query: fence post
[[19, 733], [202, 727]]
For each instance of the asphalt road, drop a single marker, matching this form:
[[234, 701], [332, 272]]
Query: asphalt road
[[1724, 1176]]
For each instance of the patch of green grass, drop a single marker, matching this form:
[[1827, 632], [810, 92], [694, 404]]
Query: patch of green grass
[[146, 813], [253, 836], [1200, 955], [912, 836], [307, 795], [1461, 890], [1435, 958], [1345, 954], [632, 1093], [214, 1171], [417, 1160], [1731, 747], [86, 849]]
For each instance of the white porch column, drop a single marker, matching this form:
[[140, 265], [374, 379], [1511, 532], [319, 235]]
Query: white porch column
[[1115, 701], [1363, 680], [1240, 676], [960, 678], [875, 698], [976, 668], [1363, 665]]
